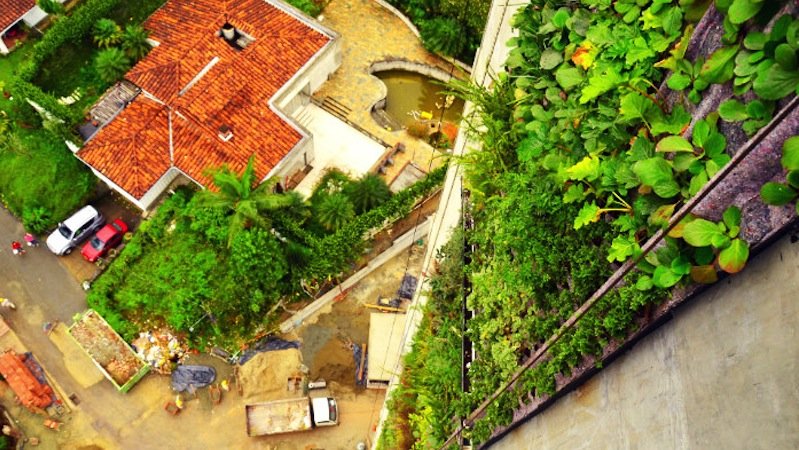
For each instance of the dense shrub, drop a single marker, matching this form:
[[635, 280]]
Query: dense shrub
[[41, 181], [450, 27], [231, 288]]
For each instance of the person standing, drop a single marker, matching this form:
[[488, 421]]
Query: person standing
[[31, 240], [16, 248]]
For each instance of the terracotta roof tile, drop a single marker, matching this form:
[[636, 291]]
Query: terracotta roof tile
[[12, 10], [206, 84], [134, 148]]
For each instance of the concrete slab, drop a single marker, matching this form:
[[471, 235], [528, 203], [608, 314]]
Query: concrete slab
[[721, 375], [337, 145]]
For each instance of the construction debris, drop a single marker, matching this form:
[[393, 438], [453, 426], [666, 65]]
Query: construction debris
[[160, 349]]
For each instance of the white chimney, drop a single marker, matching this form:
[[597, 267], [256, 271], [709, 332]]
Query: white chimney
[[228, 31]]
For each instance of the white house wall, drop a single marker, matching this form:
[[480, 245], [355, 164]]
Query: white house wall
[[157, 189], [310, 78], [34, 16]]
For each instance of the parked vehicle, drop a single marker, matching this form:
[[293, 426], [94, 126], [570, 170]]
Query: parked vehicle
[[290, 415], [107, 238], [71, 232]]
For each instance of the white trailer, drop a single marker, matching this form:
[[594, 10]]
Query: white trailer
[[290, 415], [385, 347]]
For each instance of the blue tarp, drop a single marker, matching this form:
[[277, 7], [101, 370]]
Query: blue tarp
[[356, 354], [192, 377], [408, 287], [267, 344]]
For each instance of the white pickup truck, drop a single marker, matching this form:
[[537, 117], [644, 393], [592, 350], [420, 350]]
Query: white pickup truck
[[290, 415]]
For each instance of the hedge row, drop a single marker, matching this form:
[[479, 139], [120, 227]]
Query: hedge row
[[26, 90]]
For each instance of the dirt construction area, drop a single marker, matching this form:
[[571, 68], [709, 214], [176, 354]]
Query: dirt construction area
[[97, 417]]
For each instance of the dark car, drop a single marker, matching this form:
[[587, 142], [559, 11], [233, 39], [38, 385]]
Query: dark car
[[107, 238]]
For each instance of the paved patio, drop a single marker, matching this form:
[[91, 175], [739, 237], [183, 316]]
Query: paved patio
[[335, 145]]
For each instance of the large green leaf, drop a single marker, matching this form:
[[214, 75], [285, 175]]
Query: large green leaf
[[644, 283], [599, 83], [550, 59], [732, 216], [586, 169], [785, 55], [700, 133], [656, 172], [568, 77], [776, 82], [777, 194], [588, 214], [666, 188], [664, 277], [701, 233], [652, 170], [790, 153], [673, 123], [678, 81], [622, 248], [733, 111], [674, 144], [634, 106], [733, 258], [742, 10], [755, 40], [719, 67], [681, 266]]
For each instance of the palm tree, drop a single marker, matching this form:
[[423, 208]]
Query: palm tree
[[106, 33], [443, 35], [334, 211], [134, 42], [111, 64], [367, 192], [246, 206]]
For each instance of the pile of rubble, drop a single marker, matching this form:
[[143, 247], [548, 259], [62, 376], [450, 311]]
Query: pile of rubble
[[160, 349]]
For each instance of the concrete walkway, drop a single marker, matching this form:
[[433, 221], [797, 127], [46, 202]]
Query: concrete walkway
[[336, 145]]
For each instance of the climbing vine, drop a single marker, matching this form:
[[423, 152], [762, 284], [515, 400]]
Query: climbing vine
[[590, 142]]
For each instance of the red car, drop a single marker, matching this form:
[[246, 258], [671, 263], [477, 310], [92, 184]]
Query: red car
[[107, 238]]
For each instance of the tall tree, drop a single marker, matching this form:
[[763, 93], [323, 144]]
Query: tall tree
[[367, 192], [106, 33], [246, 205], [134, 42], [111, 64], [333, 211], [444, 35]]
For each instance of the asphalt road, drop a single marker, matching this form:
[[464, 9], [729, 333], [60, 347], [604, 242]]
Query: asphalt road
[[43, 290]]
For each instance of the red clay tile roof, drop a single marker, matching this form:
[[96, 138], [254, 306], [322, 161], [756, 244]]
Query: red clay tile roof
[[12, 10], [133, 150]]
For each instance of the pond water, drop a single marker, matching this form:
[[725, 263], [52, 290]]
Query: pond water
[[411, 95]]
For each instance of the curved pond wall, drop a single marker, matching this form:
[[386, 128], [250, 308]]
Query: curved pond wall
[[407, 94]]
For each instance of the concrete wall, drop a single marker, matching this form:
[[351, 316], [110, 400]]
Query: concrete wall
[[723, 374]]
